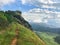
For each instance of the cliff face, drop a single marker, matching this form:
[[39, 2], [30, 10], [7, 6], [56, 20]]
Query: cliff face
[[20, 19]]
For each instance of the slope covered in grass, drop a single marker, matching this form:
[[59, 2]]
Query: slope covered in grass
[[14, 32], [26, 36], [48, 37]]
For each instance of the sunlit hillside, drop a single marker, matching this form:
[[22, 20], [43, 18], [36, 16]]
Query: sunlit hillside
[[14, 32]]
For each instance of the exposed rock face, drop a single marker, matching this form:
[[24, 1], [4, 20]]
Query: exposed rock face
[[20, 19]]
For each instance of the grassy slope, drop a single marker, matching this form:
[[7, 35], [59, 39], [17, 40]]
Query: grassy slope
[[48, 37], [26, 36]]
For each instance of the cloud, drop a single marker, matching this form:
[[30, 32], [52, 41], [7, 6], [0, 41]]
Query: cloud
[[23, 1], [34, 1], [58, 16], [53, 4], [6, 2], [48, 11], [38, 21], [38, 15]]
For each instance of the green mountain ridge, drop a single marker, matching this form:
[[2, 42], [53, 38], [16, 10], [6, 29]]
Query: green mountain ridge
[[14, 30]]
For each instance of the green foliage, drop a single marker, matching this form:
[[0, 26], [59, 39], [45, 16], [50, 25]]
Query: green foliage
[[3, 21], [57, 39], [48, 37]]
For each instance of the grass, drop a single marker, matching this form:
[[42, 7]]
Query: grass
[[26, 36], [48, 38]]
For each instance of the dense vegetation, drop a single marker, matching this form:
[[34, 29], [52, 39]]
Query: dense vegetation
[[57, 39], [14, 30]]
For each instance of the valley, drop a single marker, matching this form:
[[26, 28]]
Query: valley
[[48, 37], [48, 34]]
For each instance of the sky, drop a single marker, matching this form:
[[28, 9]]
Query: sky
[[38, 11]]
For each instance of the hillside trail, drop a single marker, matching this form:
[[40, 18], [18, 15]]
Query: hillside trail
[[1, 32], [14, 40]]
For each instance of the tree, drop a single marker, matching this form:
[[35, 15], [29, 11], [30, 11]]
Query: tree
[[57, 39]]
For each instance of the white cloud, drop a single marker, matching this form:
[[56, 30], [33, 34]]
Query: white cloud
[[48, 11], [47, 6], [58, 16], [23, 1], [43, 3], [27, 1], [42, 16], [46, 1], [6, 2], [38, 21], [45, 21], [34, 1]]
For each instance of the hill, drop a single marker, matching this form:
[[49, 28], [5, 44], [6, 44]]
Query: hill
[[14, 30], [51, 36], [44, 28]]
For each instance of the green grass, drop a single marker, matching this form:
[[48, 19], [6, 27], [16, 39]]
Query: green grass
[[26, 36], [48, 38]]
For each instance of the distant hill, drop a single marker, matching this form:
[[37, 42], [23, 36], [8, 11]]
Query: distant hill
[[44, 28], [50, 35], [14, 30]]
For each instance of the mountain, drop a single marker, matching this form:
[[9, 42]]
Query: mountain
[[44, 28], [51, 36], [14, 30]]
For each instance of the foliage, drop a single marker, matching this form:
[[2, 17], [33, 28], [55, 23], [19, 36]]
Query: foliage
[[48, 37], [57, 39], [3, 21]]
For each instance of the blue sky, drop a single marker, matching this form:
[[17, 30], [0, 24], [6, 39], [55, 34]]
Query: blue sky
[[25, 5], [17, 5], [38, 11]]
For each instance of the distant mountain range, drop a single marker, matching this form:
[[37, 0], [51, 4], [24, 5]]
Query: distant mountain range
[[44, 28]]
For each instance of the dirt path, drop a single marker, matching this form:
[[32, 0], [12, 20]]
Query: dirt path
[[14, 40]]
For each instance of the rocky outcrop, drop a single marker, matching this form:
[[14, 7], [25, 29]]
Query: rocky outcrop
[[20, 19]]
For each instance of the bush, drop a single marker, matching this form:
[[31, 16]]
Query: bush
[[57, 39], [3, 21]]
